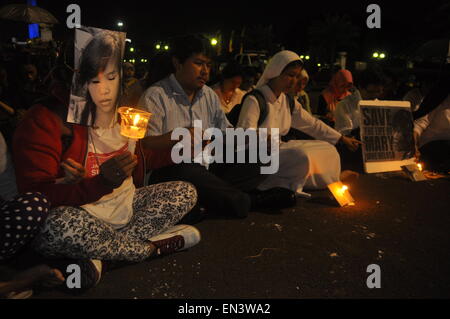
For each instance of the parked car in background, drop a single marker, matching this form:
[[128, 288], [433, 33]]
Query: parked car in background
[[257, 60]]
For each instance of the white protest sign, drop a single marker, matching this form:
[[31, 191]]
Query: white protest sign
[[387, 134]]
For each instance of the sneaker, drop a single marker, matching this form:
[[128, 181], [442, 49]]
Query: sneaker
[[90, 271], [176, 238]]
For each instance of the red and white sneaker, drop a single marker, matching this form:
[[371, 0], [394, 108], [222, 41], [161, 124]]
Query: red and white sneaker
[[176, 238]]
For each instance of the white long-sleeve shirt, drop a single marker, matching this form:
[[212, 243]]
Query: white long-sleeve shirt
[[415, 97], [347, 113], [279, 116], [435, 125]]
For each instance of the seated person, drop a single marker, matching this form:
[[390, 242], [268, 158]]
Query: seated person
[[248, 79], [347, 113], [176, 102], [228, 87], [21, 217], [432, 137], [108, 214], [303, 164], [339, 87], [299, 91], [132, 88]]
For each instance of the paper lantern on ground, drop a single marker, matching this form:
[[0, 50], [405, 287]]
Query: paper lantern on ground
[[341, 194]]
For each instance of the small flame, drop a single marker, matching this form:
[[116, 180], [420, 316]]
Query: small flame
[[420, 167], [136, 120], [342, 190]]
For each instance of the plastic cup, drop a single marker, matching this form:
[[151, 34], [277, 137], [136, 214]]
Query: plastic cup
[[133, 122]]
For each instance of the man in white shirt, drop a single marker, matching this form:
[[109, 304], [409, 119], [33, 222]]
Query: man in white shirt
[[176, 102]]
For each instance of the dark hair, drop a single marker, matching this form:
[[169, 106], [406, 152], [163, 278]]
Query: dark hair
[[231, 70], [368, 77], [94, 59], [293, 64], [183, 47], [249, 71]]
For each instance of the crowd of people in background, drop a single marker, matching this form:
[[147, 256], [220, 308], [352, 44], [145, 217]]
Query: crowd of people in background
[[109, 210]]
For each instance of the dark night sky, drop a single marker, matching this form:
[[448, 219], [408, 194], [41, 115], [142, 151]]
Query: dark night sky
[[403, 22]]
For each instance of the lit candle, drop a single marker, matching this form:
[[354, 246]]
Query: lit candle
[[420, 167], [134, 122], [342, 190], [341, 193]]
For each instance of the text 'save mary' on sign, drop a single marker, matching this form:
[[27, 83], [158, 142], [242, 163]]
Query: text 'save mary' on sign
[[387, 134]]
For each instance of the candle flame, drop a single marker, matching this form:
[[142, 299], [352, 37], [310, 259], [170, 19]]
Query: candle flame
[[420, 167], [136, 120], [342, 190]]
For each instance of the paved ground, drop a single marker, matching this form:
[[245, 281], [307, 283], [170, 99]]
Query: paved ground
[[316, 250]]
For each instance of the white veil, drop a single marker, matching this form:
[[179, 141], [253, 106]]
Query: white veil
[[276, 66]]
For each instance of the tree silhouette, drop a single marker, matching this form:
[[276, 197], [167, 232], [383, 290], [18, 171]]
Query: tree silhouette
[[258, 37], [332, 34]]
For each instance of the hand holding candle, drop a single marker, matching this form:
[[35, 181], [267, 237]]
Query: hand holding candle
[[134, 122]]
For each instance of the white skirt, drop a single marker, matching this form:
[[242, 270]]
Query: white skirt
[[305, 165]]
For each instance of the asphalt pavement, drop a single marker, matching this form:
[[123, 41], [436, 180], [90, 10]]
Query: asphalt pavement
[[315, 250]]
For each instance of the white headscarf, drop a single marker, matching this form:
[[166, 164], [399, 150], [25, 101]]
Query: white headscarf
[[276, 66], [304, 74]]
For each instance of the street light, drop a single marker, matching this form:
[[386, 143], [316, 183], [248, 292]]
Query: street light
[[166, 47], [302, 57], [375, 55], [382, 56], [158, 46], [120, 24], [131, 49], [307, 57], [214, 41]]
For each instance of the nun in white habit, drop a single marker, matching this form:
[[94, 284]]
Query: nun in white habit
[[311, 164]]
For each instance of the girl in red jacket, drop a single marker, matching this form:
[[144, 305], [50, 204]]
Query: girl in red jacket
[[104, 213]]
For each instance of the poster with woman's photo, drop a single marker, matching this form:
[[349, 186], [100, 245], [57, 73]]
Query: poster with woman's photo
[[92, 51], [387, 135]]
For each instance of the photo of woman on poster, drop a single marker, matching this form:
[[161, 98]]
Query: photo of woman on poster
[[95, 49]]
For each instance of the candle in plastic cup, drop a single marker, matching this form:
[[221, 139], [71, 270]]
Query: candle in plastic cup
[[134, 122]]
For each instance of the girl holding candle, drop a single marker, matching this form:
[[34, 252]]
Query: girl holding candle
[[108, 213]]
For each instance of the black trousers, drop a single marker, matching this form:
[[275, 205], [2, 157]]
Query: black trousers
[[351, 160], [436, 156], [222, 189]]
